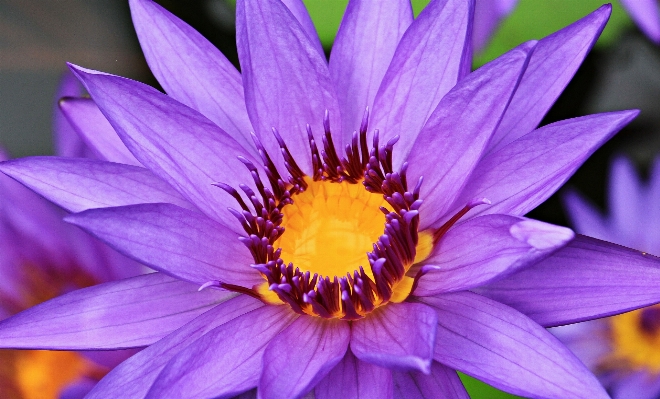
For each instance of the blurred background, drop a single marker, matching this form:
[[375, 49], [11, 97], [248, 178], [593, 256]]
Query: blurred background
[[37, 38]]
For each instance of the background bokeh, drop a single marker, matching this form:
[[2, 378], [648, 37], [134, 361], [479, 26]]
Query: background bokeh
[[38, 37]]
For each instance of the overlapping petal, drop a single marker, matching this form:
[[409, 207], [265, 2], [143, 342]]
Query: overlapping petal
[[367, 38], [399, 336], [226, 360], [67, 143], [585, 217], [442, 382], [504, 348], [179, 242], [308, 349], [413, 84], [586, 279], [120, 314], [299, 11], [134, 377], [487, 248], [355, 379], [286, 79], [78, 184]]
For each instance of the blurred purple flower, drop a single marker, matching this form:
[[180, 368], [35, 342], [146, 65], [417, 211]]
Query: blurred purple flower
[[487, 16], [646, 14], [458, 279], [624, 350], [42, 257]]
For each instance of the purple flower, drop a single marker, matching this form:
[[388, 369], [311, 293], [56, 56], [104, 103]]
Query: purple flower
[[646, 14], [42, 257], [487, 16], [273, 226], [622, 350]]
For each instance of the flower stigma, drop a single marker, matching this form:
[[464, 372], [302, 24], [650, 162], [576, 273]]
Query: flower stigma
[[339, 243]]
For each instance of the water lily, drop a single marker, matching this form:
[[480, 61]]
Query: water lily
[[355, 228], [624, 350], [42, 257]]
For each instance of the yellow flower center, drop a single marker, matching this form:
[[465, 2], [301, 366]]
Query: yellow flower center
[[330, 227], [636, 340]]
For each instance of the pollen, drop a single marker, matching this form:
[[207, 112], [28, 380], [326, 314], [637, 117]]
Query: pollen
[[330, 228], [635, 338]]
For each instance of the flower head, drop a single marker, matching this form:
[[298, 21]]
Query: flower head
[[263, 189], [624, 350], [43, 257]]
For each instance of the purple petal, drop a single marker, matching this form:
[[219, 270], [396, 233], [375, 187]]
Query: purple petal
[[626, 202], [487, 16], [486, 248], [584, 280], [302, 355], [120, 314], [78, 184], [299, 11], [443, 382], [400, 336], [551, 67], [286, 79], [175, 142], [367, 38], [640, 385], [585, 217], [191, 69], [503, 348], [77, 390], [523, 174], [355, 379], [95, 130], [433, 55], [452, 141], [67, 142], [179, 242], [197, 372], [134, 377], [646, 15]]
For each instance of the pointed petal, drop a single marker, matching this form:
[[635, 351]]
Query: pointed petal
[[443, 382], [179, 242], [199, 372], [400, 336], [355, 379], [173, 141], [191, 69], [646, 14], [504, 348], [308, 349], [367, 38], [120, 314], [487, 248], [451, 143], [625, 201], [67, 143], [433, 55], [78, 184], [586, 279], [97, 133], [299, 11], [134, 377], [585, 217], [553, 64], [523, 174], [487, 16], [287, 82]]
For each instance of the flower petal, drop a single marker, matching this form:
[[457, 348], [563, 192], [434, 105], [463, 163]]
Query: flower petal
[[646, 15], [398, 336], [639, 385], [367, 38], [304, 353], [199, 371], [521, 175], [97, 133], [175, 142], [174, 240], [134, 377], [452, 141], [286, 79], [626, 202], [355, 379], [120, 314], [551, 67], [487, 16], [586, 279], [585, 217], [434, 54], [486, 248], [78, 184], [191, 69], [67, 142], [503, 348], [443, 382], [299, 11]]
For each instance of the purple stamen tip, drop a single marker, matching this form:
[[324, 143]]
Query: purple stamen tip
[[212, 283]]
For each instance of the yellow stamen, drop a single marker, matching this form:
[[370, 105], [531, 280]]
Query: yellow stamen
[[633, 346]]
